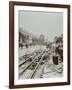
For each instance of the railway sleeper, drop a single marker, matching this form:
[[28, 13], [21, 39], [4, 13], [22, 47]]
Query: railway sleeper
[[32, 67], [29, 64]]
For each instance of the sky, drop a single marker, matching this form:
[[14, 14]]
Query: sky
[[50, 24]]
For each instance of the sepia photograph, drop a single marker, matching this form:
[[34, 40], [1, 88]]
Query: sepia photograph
[[39, 44]]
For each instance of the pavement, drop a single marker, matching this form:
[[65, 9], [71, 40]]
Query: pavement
[[48, 70], [51, 71]]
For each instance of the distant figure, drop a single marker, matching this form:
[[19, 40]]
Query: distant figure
[[21, 45], [56, 56], [55, 60], [57, 50], [61, 55], [60, 52], [26, 45]]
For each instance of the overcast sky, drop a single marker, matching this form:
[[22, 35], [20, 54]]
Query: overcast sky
[[49, 24]]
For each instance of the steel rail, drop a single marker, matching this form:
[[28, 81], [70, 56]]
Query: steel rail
[[31, 76], [25, 60], [29, 64]]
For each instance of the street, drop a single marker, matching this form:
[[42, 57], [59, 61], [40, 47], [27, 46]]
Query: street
[[37, 62]]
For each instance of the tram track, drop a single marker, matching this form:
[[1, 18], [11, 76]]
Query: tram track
[[29, 56], [30, 64], [27, 71], [31, 76]]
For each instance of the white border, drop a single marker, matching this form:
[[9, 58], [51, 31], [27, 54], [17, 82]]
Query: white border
[[34, 81]]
